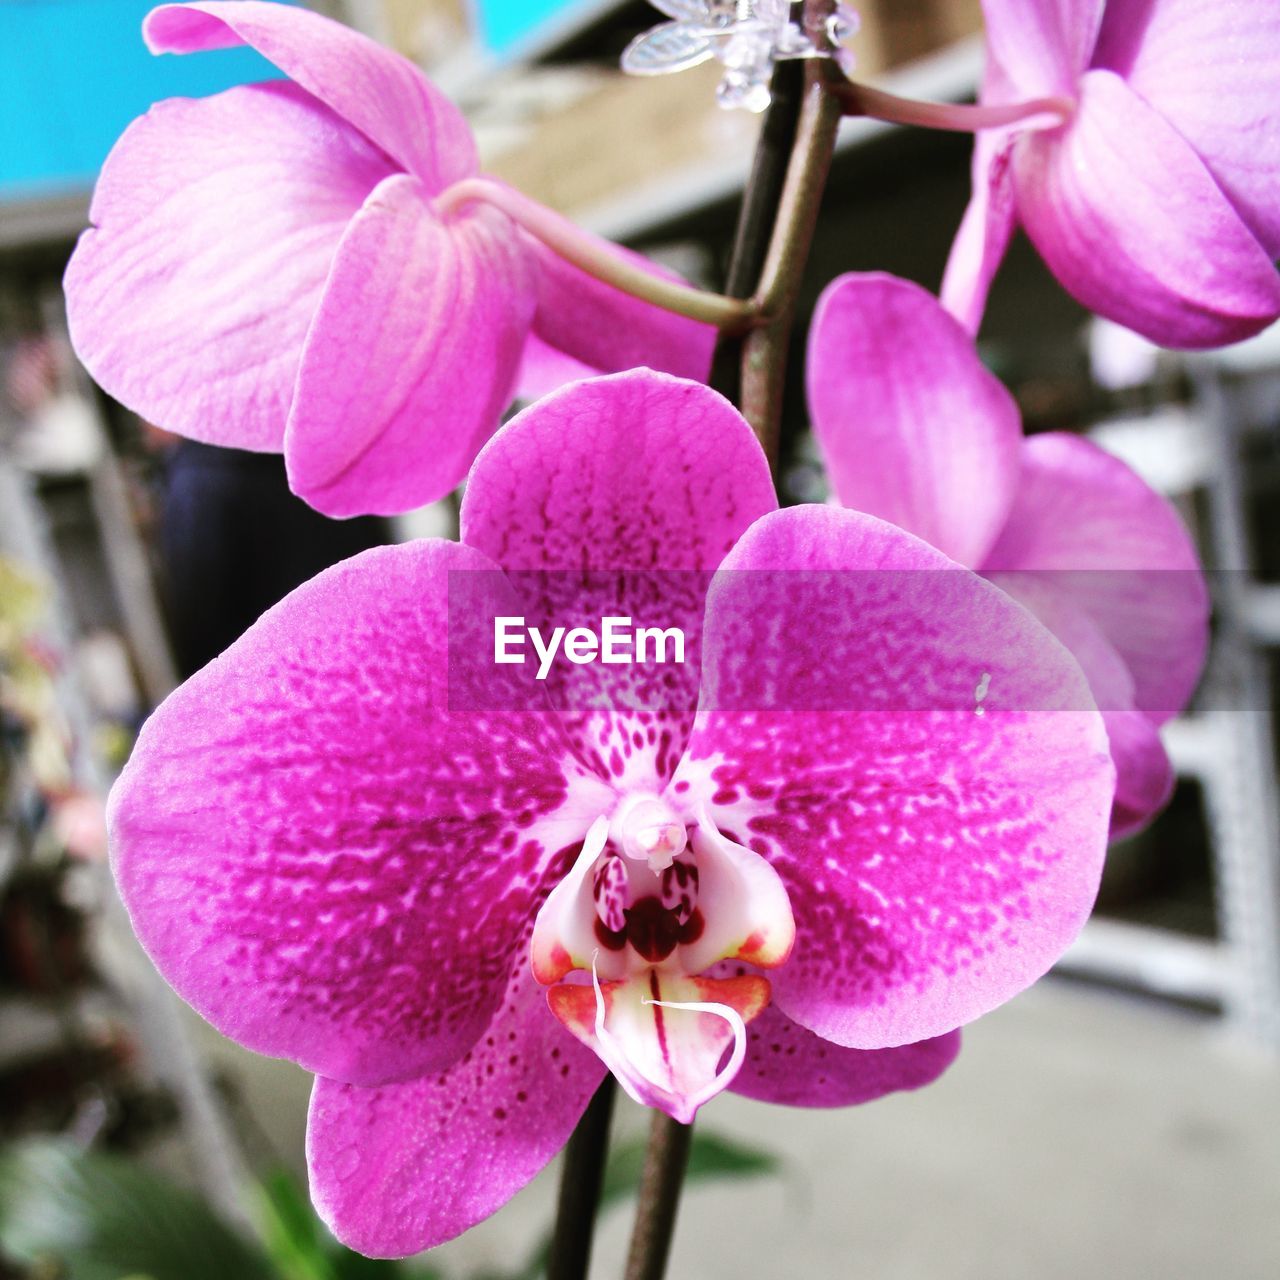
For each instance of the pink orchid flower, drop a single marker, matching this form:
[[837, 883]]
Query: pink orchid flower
[[280, 268], [1156, 201], [915, 430], [804, 857]]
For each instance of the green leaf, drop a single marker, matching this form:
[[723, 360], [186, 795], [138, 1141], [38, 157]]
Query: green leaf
[[289, 1229], [713, 1157], [101, 1217], [301, 1245]]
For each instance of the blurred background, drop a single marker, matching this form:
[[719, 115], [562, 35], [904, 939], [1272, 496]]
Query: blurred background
[[1120, 1120]]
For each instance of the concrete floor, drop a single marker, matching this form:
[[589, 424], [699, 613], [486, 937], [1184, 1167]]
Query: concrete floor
[[1080, 1134]]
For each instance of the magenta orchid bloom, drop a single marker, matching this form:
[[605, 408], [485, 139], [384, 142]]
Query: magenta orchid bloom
[[275, 268], [792, 866], [1156, 202], [914, 429]]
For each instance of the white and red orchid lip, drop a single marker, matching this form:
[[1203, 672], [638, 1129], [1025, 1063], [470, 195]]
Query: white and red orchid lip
[[672, 1063], [650, 905]]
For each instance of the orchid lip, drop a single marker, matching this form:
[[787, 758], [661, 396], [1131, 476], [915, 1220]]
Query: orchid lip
[[636, 1083]]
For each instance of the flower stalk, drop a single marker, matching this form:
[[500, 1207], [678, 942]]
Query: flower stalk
[[665, 1162], [758, 213], [580, 1183], [775, 229], [764, 351], [597, 258], [863, 100]]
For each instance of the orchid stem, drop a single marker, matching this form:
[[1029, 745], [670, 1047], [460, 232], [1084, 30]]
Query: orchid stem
[[580, 1182], [765, 349], [665, 1162], [775, 230], [669, 1141], [862, 100], [758, 213], [596, 257]]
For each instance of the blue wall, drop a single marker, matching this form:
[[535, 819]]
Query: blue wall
[[504, 23], [73, 73]]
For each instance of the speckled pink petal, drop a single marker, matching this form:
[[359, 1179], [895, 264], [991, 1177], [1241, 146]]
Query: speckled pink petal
[[1105, 541], [318, 855], [373, 88], [1211, 70], [1042, 45], [1134, 226], [1144, 775], [639, 472], [918, 757], [412, 356], [609, 331], [402, 1168], [214, 224], [912, 427], [787, 1064]]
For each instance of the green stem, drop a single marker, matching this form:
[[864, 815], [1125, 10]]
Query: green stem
[[782, 205], [664, 1165], [669, 1141], [764, 351], [758, 213], [597, 257]]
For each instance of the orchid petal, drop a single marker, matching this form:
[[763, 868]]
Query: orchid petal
[[371, 87], [407, 1166], [1134, 226], [912, 426], [214, 225], [744, 903], [1042, 46], [791, 1066], [1144, 774], [618, 496], [639, 470], [544, 369], [1211, 70], [563, 934], [320, 856], [412, 355], [1100, 538], [610, 331], [664, 1035], [985, 230], [939, 850]]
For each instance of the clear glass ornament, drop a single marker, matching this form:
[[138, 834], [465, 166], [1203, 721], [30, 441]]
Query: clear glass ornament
[[747, 37]]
